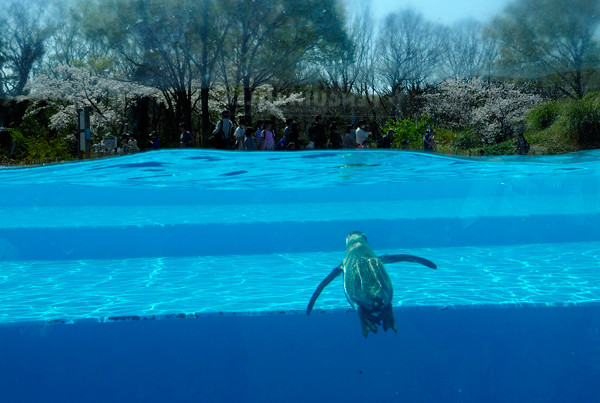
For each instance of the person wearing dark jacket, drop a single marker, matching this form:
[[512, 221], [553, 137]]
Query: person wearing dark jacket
[[317, 134]]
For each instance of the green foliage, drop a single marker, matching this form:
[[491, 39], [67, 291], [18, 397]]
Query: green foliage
[[543, 116], [407, 129], [504, 148], [35, 143], [583, 120], [565, 126], [47, 150], [467, 139], [554, 140], [20, 143]]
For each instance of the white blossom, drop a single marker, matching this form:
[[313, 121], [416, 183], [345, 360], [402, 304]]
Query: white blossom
[[267, 105], [71, 88], [264, 102], [494, 109]]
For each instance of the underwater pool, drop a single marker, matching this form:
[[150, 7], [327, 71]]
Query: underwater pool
[[237, 238], [176, 231]]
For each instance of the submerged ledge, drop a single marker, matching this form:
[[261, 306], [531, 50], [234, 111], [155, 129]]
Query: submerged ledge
[[78, 243], [200, 315]]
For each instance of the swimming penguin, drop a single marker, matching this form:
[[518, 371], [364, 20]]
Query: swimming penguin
[[366, 283]]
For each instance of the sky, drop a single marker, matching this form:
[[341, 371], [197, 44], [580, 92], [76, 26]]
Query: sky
[[442, 11]]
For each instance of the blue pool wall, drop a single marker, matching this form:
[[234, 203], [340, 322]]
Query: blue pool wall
[[483, 354]]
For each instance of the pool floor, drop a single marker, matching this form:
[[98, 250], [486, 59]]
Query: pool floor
[[550, 274]]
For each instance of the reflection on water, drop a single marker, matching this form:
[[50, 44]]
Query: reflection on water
[[206, 169]]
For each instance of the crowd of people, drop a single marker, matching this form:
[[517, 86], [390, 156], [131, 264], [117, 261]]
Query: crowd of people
[[229, 135], [241, 135]]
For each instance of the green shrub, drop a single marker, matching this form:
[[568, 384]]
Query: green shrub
[[583, 120], [592, 97], [467, 140], [543, 116], [504, 148], [407, 129], [556, 139], [21, 148], [35, 143], [44, 150]]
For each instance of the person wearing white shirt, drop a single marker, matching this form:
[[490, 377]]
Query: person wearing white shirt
[[361, 134]]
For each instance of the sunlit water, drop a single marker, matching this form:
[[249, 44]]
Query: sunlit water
[[193, 231]]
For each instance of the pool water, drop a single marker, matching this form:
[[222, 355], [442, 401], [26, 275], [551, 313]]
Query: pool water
[[206, 232]]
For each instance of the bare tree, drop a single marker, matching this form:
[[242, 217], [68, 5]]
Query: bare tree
[[410, 50], [550, 40], [270, 38], [210, 37], [369, 83], [467, 52], [3, 75], [168, 45], [25, 32], [343, 67], [69, 46]]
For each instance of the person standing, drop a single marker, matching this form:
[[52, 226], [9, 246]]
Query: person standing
[[349, 138], [335, 139], [240, 135], [250, 141], [260, 126], [186, 139], [293, 137], [223, 132], [317, 135], [361, 134], [288, 129], [154, 140], [386, 141], [132, 144], [267, 137], [429, 140]]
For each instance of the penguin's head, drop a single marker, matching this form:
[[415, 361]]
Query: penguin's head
[[355, 236]]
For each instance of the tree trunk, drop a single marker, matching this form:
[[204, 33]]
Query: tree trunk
[[141, 124], [204, 76], [206, 129], [247, 101], [184, 108]]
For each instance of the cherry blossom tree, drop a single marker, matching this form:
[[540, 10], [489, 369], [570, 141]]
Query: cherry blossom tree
[[494, 109], [68, 89], [266, 103]]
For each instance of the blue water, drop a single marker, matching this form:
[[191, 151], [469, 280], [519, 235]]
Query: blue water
[[195, 231]]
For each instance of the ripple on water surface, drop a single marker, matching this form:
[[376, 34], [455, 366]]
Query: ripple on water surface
[[215, 169]]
